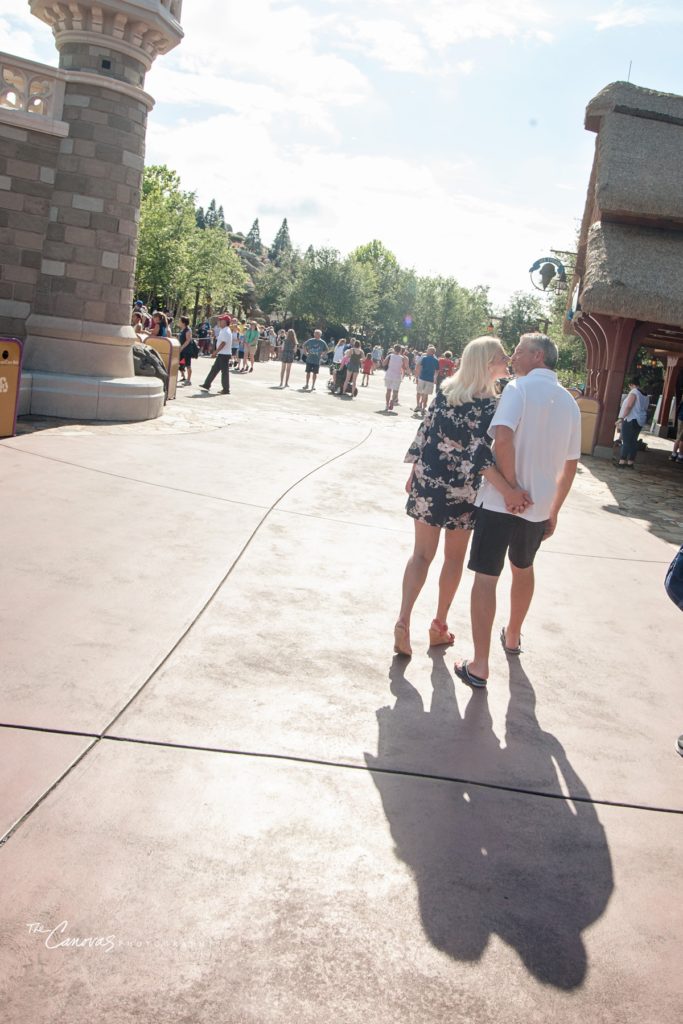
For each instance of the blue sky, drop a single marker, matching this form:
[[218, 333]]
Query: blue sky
[[453, 131]]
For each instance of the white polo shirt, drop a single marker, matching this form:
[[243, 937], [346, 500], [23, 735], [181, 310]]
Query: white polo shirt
[[547, 432], [224, 338]]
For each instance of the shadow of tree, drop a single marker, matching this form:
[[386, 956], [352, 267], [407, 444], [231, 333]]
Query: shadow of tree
[[534, 870]]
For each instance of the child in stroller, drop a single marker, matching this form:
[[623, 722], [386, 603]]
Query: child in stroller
[[337, 378]]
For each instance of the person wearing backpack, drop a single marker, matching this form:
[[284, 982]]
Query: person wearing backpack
[[632, 416]]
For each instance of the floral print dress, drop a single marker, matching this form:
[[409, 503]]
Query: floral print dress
[[450, 452]]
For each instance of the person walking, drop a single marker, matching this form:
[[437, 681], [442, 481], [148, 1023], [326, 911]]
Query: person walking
[[537, 445], [393, 365], [289, 347], [426, 375], [313, 350], [632, 417], [353, 369], [450, 455], [368, 368], [221, 363]]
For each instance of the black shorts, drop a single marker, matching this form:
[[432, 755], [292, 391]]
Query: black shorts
[[499, 533], [313, 368]]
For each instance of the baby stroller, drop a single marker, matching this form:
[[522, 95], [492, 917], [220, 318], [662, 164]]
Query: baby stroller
[[336, 381], [336, 378]]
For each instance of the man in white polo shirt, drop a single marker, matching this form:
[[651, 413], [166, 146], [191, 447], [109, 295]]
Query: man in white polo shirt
[[537, 435]]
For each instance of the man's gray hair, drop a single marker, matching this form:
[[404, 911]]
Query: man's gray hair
[[542, 343]]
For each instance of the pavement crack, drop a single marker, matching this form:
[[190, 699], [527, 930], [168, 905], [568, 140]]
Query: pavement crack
[[103, 734]]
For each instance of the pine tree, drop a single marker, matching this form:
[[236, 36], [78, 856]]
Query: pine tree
[[253, 240], [211, 215], [221, 218], [199, 217], [281, 249]]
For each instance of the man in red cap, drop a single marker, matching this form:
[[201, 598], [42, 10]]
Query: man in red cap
[[221, 363]]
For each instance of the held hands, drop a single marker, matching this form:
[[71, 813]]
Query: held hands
[[517, 500], [550, 525]]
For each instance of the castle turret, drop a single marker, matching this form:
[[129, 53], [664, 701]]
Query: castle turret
[[79, 320]]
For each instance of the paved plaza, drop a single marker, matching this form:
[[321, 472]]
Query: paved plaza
[[225, 800]]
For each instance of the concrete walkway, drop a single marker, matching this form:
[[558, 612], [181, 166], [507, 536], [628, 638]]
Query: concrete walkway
[[234, 804]]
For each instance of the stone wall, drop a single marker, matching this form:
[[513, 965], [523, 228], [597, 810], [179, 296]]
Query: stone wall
[[89, 253], [102, 60], [28, 161]]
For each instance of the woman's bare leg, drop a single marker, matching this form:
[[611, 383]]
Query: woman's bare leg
[[426, 543], [455, 549]]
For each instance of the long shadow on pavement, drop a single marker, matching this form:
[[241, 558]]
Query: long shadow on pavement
[[534, 870]]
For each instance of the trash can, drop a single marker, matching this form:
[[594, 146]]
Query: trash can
[[589, 409], [169, 350], [11, 351]]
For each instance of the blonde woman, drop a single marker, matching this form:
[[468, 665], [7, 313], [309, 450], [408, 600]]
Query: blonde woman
[[289, 347], [450, 455]]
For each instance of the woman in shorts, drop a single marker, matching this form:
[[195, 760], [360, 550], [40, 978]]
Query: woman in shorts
[[353, 369], [450, 455], [289, 347]]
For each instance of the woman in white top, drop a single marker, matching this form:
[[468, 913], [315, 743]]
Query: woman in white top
[[633, 416], [393, 364]]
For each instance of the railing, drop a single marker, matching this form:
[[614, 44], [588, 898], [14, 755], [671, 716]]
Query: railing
[[30, 89]]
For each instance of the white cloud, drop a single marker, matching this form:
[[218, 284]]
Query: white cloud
[[332, 198], [257, 108], [23, 35], [622, 16], [387, 41], [446, 24]]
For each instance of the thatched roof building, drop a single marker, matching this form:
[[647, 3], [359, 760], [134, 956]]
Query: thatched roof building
[[632, 271], [628, 284]]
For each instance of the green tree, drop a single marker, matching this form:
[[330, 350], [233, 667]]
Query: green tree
[[281, 250], [332, 290], [274, 286], [167, 221], [571, 365], [447, 315], [522, 314], [213, 271], [253, 240], [211, 215]]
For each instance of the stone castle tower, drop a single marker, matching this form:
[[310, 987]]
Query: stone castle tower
[[70, 180]]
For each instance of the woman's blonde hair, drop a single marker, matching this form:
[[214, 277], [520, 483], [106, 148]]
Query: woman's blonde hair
[[473, 378]]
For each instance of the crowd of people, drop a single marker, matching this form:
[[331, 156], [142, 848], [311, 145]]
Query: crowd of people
[[494, 468], [234, 345]]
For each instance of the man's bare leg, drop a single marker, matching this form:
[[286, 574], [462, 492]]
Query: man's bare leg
[[521, 593], [483, 612]]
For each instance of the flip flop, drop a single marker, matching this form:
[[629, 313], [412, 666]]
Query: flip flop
[[462, 672], [509, 650]]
